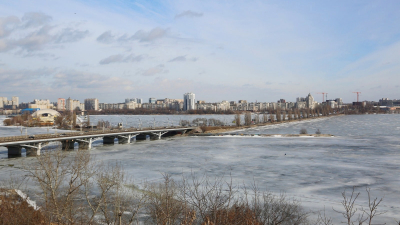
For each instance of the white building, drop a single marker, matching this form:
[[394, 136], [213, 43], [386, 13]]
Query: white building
[[15, 100], [72, 104], [41, 104], [61, 104], [188, 101]]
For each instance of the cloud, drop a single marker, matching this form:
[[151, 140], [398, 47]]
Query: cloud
[[35, 40], [106, 37], [120, 58], [70, 35], [35, 19], [183, 58], [188, 13], [7, 25], [155, 70], [33, 32], [149, 36]]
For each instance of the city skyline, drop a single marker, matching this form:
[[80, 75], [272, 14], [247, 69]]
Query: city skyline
[[258, 51]]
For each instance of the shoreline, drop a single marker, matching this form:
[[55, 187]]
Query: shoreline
[[227, 129]]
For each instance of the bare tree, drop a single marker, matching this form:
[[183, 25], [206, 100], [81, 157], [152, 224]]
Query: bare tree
[[348, 204], [373, 204], [238, 119], [247, 119]]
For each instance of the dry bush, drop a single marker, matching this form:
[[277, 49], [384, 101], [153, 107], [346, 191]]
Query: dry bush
[[163, 205], [15, 210], [237, 214], [7, 122], [303, 131], [204, 128], [76, 189]]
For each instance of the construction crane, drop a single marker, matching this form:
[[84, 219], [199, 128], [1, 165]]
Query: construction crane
[[358, 94], [323, 95]]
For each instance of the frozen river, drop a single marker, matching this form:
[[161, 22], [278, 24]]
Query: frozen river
[[365, 152]]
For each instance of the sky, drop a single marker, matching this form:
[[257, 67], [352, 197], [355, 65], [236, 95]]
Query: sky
[[220, 50]]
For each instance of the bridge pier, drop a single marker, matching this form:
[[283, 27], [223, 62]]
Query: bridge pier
[[108, 140], [33, 149], [157, 135], [85, 144], [125, 139], [68, 145], [14, 151]]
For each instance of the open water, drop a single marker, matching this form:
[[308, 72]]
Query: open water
[[364, 152]]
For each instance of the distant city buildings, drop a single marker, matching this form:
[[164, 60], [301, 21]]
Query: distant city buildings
[[152, 100], [9, 104], [187, 103]]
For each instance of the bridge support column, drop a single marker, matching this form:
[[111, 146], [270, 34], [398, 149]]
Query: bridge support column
[[14, 151], [85, 144], [158, 134], [108, 140], [68, 145], [33, 149], [125, 139]]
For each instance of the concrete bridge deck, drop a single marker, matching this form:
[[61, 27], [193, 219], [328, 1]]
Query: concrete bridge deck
[[34, 143]]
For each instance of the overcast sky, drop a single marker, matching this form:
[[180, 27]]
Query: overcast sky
[[219, 50]]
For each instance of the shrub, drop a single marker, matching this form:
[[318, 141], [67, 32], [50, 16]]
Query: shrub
[[303, 131], [318, 131]]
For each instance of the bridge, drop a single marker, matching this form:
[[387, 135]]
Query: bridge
[[34, 143]]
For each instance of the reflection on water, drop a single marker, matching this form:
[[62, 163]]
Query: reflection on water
[[364, 152]]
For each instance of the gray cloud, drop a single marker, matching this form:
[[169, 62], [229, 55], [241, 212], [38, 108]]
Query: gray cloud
[[188, 13], [34, 32], [70, 35], [106, 37], [181, 58], [155, 70], [120, 58], [148, 36], [35, 40], [35, 19], [7, 25], [140, 35]]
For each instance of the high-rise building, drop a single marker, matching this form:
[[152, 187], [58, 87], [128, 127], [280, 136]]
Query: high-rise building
[[2, 102], [188, 101], [15, 100], [310, 101], [61, 104], [72, 104], [339, 101], [91, 104], [152, 100]]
